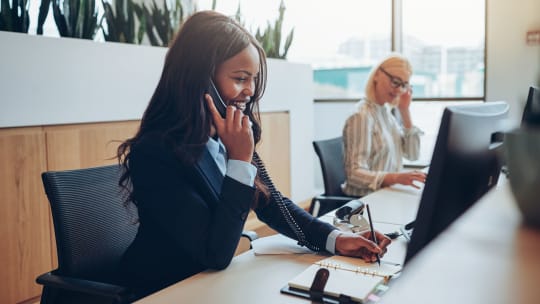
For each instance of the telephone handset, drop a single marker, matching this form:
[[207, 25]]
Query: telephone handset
[[276, 195], [218, 101]]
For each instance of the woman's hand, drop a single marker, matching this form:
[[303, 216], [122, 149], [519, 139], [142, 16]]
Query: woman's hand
[[404, 103], [405, 100], [359, 245], [405, 178], [234, 131]]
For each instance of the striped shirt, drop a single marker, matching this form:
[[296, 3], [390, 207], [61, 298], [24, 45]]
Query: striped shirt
[[374, 144]]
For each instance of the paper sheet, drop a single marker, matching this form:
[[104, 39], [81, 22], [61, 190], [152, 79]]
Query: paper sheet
[[277, 244]]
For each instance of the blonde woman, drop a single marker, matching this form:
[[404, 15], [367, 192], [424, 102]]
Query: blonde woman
[[374, 141]]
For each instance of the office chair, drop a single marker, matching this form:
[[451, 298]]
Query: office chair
[[531, 112], [330, 153], [93, 229]]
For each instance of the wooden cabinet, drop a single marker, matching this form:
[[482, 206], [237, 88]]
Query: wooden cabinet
[[27, 246]]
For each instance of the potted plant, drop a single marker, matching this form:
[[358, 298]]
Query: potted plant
[[14, 16], [160, 25], [73, 18], [120, 22], [270, 38]]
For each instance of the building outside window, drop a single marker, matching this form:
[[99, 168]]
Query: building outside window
[[446, 47]]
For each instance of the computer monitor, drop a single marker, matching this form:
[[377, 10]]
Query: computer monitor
[[464, 166], [531, 111]]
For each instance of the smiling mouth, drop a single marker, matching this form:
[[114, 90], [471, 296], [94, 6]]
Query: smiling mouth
[[240, 105]]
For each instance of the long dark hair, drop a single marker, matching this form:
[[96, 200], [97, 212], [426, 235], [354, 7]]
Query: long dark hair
[[177, 109]]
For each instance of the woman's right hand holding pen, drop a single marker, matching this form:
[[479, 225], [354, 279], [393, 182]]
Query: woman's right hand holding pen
[[360, 245]]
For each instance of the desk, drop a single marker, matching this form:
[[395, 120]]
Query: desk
[[394, 205], [486, 256], [258, 279], [250, 279], [488, 239]]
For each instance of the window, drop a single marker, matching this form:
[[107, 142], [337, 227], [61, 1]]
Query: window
[[340, 39], [446, 47], [348, 37], [343, 39], [445, 41]]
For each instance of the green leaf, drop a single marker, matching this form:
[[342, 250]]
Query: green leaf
[[14, 17], [270, 39]]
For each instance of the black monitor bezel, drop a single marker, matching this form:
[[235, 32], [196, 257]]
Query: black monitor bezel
[[480, 153]]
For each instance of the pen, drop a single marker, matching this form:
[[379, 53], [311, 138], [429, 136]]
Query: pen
[[372, 232]]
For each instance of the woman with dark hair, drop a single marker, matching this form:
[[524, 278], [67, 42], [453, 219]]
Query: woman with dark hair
[[193, 173]]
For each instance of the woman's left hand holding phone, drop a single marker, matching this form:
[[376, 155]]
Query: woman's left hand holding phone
[[234, 131]]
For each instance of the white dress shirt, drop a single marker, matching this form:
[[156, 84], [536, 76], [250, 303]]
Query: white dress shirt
[[245, 173], [374, 145]]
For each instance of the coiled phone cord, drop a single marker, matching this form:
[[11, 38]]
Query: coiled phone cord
[[276, 195]]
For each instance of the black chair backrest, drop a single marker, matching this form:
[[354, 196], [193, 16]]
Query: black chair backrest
[[531, 111], [330, 153], [92, 227]]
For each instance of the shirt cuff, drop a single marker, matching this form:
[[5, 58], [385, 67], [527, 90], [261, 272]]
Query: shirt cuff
[[413, 131], [331, 241], [241, 171]]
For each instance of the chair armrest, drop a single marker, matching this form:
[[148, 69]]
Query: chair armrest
[[119, 293], [245, 241], [250, 234]]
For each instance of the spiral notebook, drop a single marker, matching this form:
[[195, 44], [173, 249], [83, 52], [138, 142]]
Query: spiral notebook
[[348, 277]]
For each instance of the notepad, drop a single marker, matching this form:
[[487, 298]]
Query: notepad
[[348, 276]]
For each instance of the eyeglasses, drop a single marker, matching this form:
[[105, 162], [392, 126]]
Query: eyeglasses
[[396, 82]]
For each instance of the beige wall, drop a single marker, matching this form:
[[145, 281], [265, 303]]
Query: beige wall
[[512, 65]]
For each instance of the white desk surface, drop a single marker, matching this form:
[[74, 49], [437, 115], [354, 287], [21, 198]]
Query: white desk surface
[[485, 257], [395, 205], [258, 279], [252, 279]]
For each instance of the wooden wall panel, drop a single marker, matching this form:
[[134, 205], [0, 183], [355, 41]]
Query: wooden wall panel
[[274, 149], [28, 246], [25, 227], [86, 145]]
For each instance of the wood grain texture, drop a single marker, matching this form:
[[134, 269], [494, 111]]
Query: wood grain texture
[[86, 145], [25, 249], [29, 248], [274, 149]]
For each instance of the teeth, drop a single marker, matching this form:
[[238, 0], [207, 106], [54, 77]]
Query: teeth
[[240, 105]]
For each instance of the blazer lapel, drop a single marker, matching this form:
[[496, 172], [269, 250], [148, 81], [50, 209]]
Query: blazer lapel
[[209, 170]]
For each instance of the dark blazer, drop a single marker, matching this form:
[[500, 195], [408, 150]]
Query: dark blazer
[[191, 217]]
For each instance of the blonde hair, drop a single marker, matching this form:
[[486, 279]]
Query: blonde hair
[[392, 61]]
